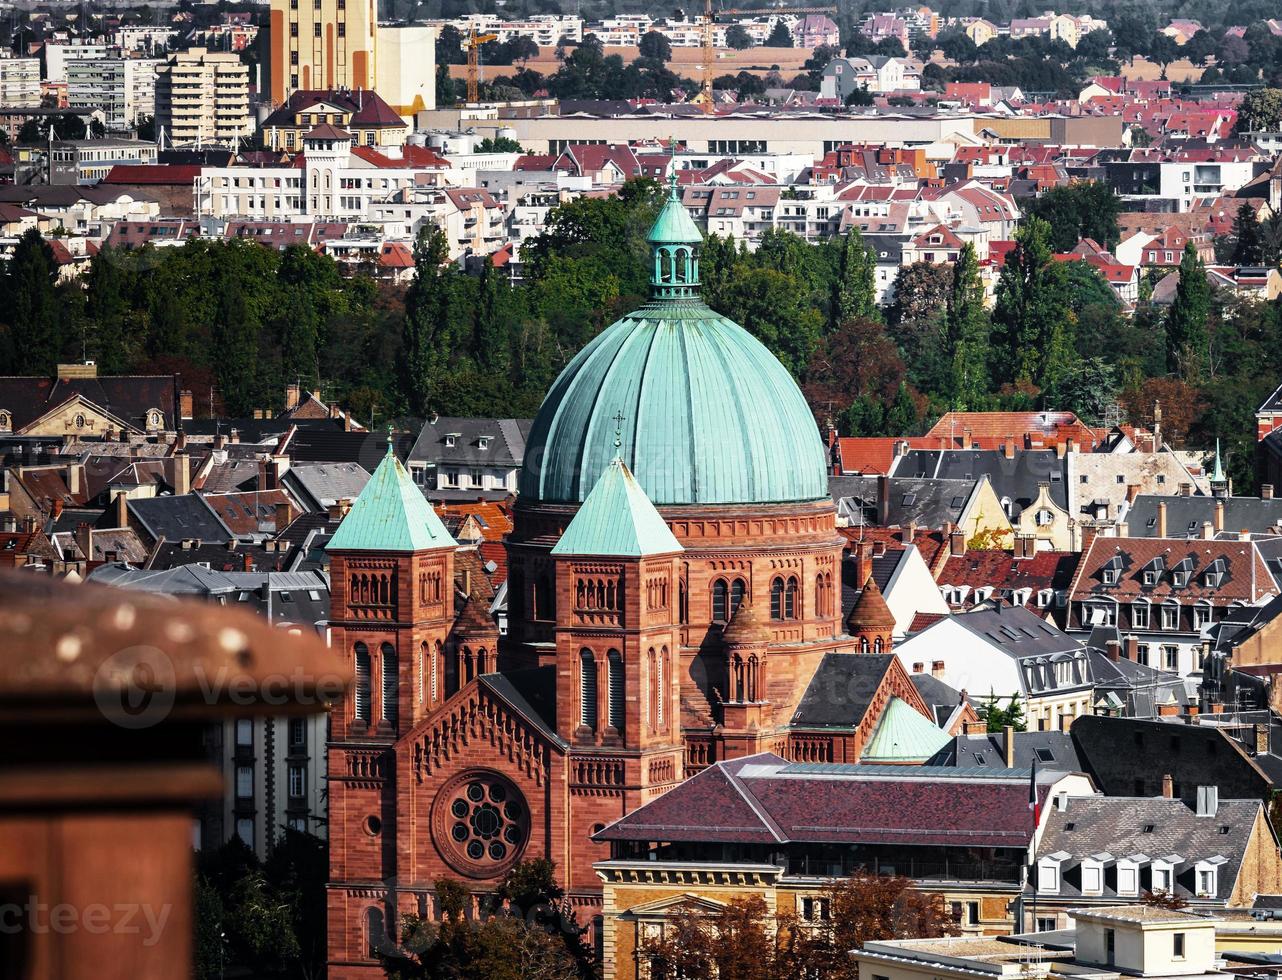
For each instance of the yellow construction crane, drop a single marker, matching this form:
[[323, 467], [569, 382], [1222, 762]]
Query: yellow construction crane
[[474, 42], [704, 98]]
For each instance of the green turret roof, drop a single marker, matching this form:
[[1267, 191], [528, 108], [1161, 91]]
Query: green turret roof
[[903, 735], [391, 514], [617, 520], [1217, 475], [674, 226]]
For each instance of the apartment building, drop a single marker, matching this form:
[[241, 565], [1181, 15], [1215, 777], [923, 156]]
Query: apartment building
[[203, 96], [123, 88], [59, 54], [20, 83], [317, 44]]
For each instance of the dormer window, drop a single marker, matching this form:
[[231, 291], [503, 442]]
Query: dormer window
[[1179, 579], [1150, 577], [483, 442], [1048, 872], [450, 440], [6, 421]]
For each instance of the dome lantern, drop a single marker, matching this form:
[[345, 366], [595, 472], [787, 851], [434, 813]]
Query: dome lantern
[[674, 239]]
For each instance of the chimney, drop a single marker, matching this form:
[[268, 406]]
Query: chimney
[[1123, 529], [863, 562], [1266, 491], [258, 413], [1168, 787], [1161, 518], [1218, 514], [1132, 491], [1008, 743], [1261, 739], [1186, 489], [180, 441], [235, 437], [265, 475], [316, 394], [937, 669], [1059, 449], [957, 543], [291, 396], [84, 540], [966, 442], [56, 508], [182, 474], [883, 499], [1008, 447], [1070, 445], [122, 509], [1244, 534], [347, 420], [1113, 650], [284, 514], [220, 441], [1208, 530], [908, 532], [247, 562], [1088, 537], [185, 405], [74, 476], [975, 728], [1132, 648]]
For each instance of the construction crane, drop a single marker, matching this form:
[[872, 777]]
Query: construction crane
[[474, 42], [704, 98]]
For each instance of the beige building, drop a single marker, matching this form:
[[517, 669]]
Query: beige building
[[20, 82], [321, 44], [406, 69], [203, 96]]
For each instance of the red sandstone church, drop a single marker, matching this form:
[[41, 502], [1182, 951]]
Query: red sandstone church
[[674, 597]]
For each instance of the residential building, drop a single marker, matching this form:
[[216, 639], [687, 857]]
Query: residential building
[[58, 55], [90, 161], [320, 45], [202, 97], [20, 82], [369, 119], [123, 88], [456, 458]]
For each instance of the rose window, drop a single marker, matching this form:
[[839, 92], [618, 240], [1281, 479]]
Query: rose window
[[481, 823]]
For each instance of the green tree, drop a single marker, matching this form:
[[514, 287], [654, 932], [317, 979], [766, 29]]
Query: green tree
[[498, 144], [1032, 321], [1248, 248], [426, 317], [967, 329], [738, 38], [655, 45], [1075, 211], [1187, 345], [35, 329], [780, 36], [856, 287], [997, 717], [1259, 111]]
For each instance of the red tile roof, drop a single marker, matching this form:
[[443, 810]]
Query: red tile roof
[[989, 430], [158, 174]]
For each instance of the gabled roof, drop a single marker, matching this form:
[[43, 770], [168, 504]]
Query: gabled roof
[[390, 514], [617, 520], [841, 690]]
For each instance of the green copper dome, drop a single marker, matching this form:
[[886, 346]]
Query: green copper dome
[[702, 411]]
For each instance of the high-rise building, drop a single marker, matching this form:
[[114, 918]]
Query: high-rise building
[[203, 96], [123, 88], [19, 82], [321, 44]]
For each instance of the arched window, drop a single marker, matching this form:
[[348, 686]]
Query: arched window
[[776, 598], [683, 603], [362, 682], [436, 659], [735, 682], [614, 667], [375, 932], [391, 691], [651, 685], [737, 589], [661, 674], [355, 590], [424, 655], [877, 645], [863, 644], [587, 690], [465, 658], [752, 679], [792, 599], [720, 601]]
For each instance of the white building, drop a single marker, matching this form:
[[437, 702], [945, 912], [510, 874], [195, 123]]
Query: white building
[[123, 88], [20, 83], [58, 54]]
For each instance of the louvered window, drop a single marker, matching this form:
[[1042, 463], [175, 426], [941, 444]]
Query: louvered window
[[390, 691], [587, 690], [362, 682], [614, 665], [661, 673]]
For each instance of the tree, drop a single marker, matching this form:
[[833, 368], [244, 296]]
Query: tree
[[498, 144], [33, 321], [1087, 389], [967, 328], [1187, 343], [780, 36], [425, 320], [655, 45], [1075, 211], [921, 291], [1032, 321], [1164, 900], [738, 37], [1259, 111], [729, 942], [998, 718], [856, 289], [1248, 249]]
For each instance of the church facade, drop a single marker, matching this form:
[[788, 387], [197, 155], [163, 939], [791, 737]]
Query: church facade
[[675, 584]]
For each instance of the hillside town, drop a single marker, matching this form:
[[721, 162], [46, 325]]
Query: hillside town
[[640, 495]]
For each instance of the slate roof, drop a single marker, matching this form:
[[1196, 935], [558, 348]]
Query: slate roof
[[127, 397], [1016, 631], [532, 693], [763, 799], [1274, 402], [1116, 825], [940, 698], [177, 518], [217, 556], [1052, 751], [841, 689], [1186, 515], [317, 485], [885, 568], [1013, 479], [617, 519], [1139, 688], [925, 502], [504, 438], [1240, 623]]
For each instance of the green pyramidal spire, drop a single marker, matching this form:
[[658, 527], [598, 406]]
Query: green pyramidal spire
[[391, 514], [617, 520], [1217, 475]]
